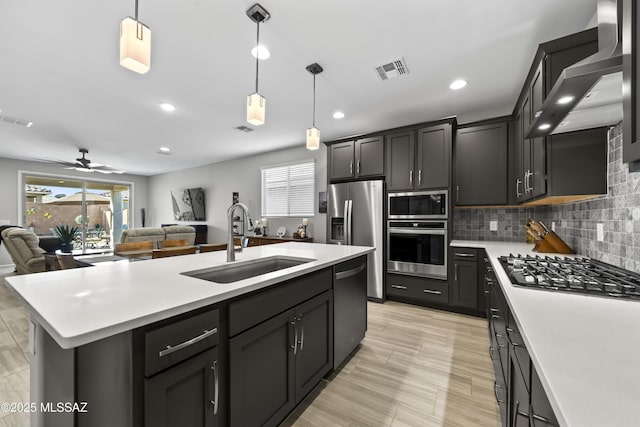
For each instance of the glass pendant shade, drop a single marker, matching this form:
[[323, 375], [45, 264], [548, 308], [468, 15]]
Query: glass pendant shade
[[313, 138], [135, 45], [256, 109]]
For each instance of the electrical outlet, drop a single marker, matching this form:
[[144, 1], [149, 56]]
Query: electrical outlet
[[553, 226], [493, 225], [600, 232]]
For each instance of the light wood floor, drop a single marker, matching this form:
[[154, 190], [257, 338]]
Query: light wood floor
[[416, 367]]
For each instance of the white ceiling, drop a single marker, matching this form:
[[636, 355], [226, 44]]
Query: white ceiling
[[59, 68]]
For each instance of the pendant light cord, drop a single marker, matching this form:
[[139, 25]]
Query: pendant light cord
[[136, 11], [257, 51], [314, 100]]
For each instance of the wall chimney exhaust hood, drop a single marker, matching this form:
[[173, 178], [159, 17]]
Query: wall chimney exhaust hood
[[587, 94]]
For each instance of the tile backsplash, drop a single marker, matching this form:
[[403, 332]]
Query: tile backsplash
[[576, 223]]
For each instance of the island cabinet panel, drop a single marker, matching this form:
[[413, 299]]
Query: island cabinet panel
[[252, 310], [480, 154], [274, 365], [186, 394]]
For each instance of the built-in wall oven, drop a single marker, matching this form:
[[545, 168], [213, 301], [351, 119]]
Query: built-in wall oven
[[417, 247], [418, 205]]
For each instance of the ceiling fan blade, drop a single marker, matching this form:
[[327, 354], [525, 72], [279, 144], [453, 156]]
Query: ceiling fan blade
[[103, 171]]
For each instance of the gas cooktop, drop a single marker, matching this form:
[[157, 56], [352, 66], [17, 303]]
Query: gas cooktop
[[578, 275]]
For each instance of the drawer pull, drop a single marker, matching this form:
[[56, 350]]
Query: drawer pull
[[462, 255], [404, 288], [496, 386], [429, 291], [171, 349]]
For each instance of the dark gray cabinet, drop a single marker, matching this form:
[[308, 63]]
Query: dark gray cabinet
[[464, 289], [518, 398], [183, 372], [273, 365], [362, 158], [185, 395], [630, 95], [540, 412], [400, 160], [417, 290], [419, 159], [480, 154]]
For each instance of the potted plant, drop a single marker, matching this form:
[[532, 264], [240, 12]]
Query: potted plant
[[67, 235]]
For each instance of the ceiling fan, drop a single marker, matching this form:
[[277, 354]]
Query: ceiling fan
[[85, 165]]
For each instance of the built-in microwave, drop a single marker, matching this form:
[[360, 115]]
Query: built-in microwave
[[418, 205]]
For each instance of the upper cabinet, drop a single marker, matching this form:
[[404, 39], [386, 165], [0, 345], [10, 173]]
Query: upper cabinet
[[362, 158], [419, 159], [630, 64], [480, 162]]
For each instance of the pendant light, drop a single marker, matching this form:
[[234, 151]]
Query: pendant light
[[135, 44], [313, 133], [255, 101]]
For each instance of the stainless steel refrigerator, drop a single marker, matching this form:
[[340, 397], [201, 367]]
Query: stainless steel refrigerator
[[355, 213]]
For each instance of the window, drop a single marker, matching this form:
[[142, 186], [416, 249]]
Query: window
[[289, 190]]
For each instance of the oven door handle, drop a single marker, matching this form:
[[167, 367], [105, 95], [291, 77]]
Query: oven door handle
[[439, 232]]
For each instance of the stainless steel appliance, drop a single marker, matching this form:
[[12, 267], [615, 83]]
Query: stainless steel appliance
[[418, 205], [578, 275], [418, 248], [355, 216]]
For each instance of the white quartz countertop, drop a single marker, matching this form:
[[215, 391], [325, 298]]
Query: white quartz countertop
[[83, 305], [586, 349]]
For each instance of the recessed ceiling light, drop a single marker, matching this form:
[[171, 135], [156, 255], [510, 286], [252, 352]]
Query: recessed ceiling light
[[29, 124], [167, 107], [164, 150], [261, 51], [565, 100], [544, 126], [338, 115], [458, 84]]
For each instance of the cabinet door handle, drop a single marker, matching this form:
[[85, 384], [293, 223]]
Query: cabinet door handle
[[429, 291], [457, 193], [491, 352], [172, 349], [358, 167], [301, 342], [404, 288], [350, 167], [498, 341], [533, 416], [463, 255], [411, 177], [294, 346], [455, 272], [518, 192], [419, 176], [495, 391], [216, 387]]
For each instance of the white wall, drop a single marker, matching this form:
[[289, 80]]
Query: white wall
[[220, 180], [9, 196]]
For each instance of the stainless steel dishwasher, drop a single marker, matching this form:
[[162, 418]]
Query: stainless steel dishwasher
[[349, 307]]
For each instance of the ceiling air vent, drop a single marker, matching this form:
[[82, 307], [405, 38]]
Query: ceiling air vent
[[244, 129], [393, 69]]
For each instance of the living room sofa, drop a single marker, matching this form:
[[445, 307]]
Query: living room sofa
[[156, 234]]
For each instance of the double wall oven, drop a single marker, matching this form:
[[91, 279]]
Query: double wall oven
[[417, 233]]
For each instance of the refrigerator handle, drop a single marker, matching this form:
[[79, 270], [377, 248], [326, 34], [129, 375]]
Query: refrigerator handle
[[350, 224], [346, 222]]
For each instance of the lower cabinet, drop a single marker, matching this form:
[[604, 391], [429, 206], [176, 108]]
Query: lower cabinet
[[417, 289], [186, 394], [520, 396], [275, 364], [463, 278]]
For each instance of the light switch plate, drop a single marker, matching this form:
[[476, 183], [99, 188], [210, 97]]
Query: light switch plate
[[493, 225], [553, 226], [600, 232]]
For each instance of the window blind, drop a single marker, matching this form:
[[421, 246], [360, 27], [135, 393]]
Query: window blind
[[288, 190]]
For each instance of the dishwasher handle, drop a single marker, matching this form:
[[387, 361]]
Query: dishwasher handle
[[348, 273]]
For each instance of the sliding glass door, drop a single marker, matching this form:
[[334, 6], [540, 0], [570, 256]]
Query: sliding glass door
[[99, 209]]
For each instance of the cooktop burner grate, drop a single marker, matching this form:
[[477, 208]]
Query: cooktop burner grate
[[578, 275]]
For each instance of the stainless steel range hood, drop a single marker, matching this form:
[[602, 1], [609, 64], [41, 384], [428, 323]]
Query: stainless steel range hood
[[587, 94]]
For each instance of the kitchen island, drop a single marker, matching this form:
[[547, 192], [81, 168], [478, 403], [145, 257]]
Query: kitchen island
[[98, 334], [583, 348]]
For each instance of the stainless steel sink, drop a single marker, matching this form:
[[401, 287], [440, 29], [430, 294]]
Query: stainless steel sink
[[243, 270]]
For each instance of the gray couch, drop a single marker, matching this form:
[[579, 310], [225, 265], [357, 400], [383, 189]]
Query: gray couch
[[156, 234]]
